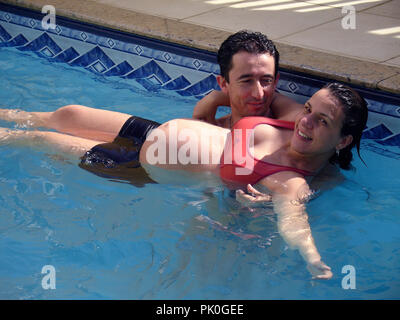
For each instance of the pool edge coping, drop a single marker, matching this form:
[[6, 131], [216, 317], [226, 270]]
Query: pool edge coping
[[354, 71]]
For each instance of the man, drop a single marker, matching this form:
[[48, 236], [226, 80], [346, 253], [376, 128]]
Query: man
[[249, 64]]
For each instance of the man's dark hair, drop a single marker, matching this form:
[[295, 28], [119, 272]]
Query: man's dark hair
[[248, 41]]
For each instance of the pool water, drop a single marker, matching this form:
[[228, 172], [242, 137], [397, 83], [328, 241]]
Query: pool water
[[108, 239]]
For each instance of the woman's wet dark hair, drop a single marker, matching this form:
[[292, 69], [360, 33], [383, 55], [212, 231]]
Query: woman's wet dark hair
[[355, 111], [248, 41]]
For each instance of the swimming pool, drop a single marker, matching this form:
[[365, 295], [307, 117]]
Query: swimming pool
[[110, 240]]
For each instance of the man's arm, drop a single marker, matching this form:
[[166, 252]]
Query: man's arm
[[282, 107], [206, 108]]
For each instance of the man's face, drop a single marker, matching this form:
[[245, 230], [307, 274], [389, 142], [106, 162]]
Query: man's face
[[251, 84]]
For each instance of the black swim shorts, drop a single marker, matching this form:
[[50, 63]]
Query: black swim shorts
[[123, 152]]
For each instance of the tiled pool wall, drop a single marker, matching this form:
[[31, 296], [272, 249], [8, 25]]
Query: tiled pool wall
[[155, 66]]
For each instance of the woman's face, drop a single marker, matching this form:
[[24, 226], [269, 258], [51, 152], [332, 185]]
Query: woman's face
[[318, 126]]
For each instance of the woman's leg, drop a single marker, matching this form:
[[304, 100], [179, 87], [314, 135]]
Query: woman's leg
[[77, 120], [61, 142]]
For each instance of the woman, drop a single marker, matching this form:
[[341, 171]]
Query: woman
[[278, 156]]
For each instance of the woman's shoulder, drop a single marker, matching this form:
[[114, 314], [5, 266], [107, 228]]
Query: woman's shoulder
[[284, 182]]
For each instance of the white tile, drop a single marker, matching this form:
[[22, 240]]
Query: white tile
[[389, 9], [276, 20], [364, 42], [393, 62], [357, 4], [175, 9]]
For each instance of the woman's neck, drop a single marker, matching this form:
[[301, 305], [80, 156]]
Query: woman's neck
[[313, 163]]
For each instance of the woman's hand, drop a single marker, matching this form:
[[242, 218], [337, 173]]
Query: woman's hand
[[255, 198], [319, 270]]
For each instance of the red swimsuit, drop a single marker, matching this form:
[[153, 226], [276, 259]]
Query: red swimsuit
[[239, 167]]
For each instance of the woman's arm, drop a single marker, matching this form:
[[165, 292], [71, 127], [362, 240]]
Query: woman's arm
[[287, 194]]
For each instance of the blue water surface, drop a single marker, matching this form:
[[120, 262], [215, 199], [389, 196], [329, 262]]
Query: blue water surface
[[108, 239]]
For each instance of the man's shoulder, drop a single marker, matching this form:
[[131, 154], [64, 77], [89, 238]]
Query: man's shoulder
[[285, 108]]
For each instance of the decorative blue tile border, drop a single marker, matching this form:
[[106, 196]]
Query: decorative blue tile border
[[154, 69], [160, 66]]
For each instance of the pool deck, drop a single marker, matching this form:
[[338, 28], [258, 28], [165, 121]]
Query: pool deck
[[309, 34]]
